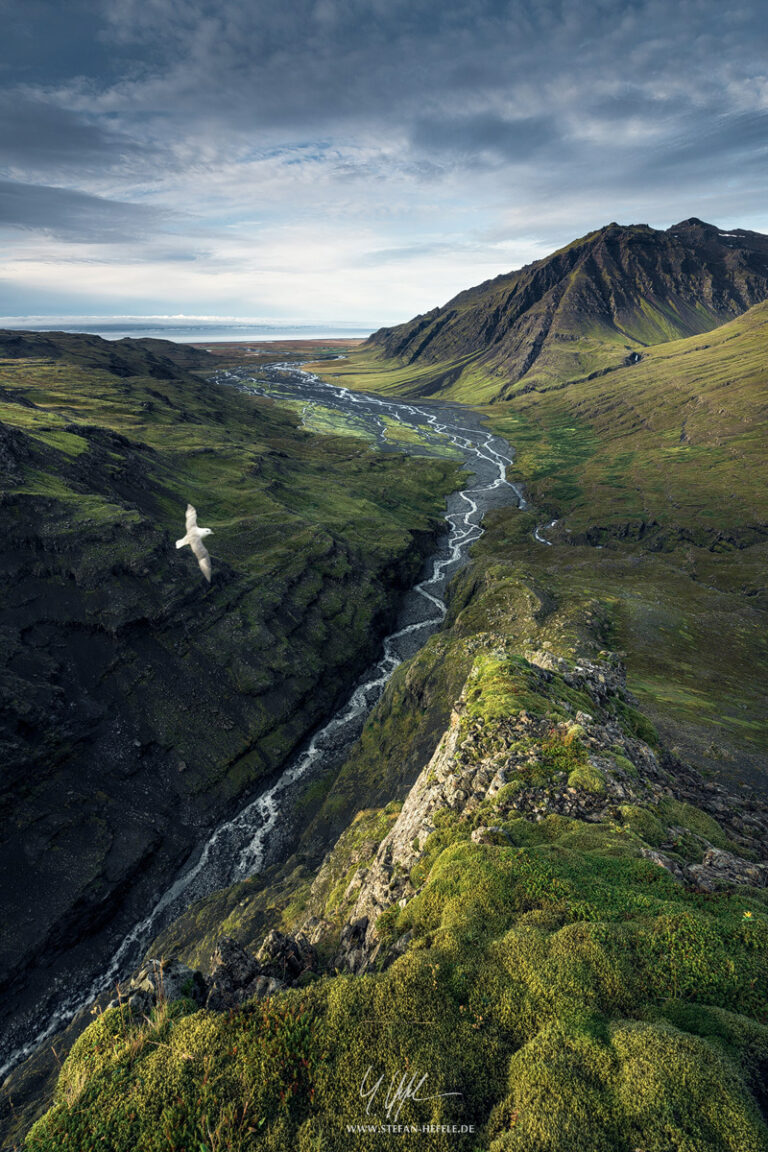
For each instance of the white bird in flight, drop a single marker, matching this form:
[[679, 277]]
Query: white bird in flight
[[194, 538]]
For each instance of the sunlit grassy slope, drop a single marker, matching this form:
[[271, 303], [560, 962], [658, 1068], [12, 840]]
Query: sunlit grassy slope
[[678, 438], [658, 475]]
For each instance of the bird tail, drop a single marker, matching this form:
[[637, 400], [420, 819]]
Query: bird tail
[[184, 540]]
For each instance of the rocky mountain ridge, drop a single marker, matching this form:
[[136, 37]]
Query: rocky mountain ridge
[[485, 772], [593, 305]]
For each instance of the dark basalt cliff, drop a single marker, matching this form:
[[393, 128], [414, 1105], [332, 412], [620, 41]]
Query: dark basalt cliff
[[590, 306], [138, 703]]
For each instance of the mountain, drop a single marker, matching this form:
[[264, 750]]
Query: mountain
[[147, 357], [593, 305]]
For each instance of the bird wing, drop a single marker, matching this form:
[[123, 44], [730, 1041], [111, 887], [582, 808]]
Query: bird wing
[[203, 556], [191, 517]]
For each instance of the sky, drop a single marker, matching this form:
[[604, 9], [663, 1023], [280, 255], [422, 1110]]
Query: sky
[[356, 161]]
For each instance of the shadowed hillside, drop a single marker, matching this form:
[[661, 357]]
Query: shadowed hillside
[[139, 703]]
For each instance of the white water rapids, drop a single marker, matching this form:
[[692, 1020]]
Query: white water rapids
[[243, 845]]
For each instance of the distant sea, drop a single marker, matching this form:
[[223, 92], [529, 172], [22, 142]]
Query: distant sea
[[189, 330]]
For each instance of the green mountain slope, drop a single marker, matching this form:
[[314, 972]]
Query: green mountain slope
[[677, 439], [658, 477], [138, 702], [593, 305]]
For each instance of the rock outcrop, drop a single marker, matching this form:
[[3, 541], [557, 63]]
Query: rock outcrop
[[588, 768], [156, 982], [236, 975]]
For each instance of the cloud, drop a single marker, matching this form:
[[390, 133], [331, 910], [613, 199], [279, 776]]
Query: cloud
[[448, 140], [73, 215], [36, 134], [740, 138], [486, 134]]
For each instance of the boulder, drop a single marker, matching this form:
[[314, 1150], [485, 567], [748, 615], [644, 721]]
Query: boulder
[[159, 981], [286, 957], [719, 869]]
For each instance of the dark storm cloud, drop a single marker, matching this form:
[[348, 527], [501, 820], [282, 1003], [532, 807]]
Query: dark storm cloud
[[47, 40], [37, 134], [73, 215], [483, 76], [314, 58]]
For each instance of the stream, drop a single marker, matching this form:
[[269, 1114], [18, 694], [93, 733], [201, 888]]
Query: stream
[[259, 833]]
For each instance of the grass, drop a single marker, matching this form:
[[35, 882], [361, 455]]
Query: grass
[[381, 431]]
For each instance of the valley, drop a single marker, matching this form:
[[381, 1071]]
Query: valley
[[527, 855]]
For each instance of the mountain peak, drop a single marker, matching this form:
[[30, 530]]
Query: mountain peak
[[693, 222], [584, 309]]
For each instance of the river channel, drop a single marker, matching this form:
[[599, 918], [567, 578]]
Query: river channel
[[260, 833]]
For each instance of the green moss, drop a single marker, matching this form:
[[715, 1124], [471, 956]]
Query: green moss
[[642, 1085], [564, 752], [643, 823], [696, 821], [624, 765], [636, 724], [562, 992], [588, 778], [499, 686]]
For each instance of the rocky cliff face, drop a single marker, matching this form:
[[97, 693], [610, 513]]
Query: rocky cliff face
[[593, 305]]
